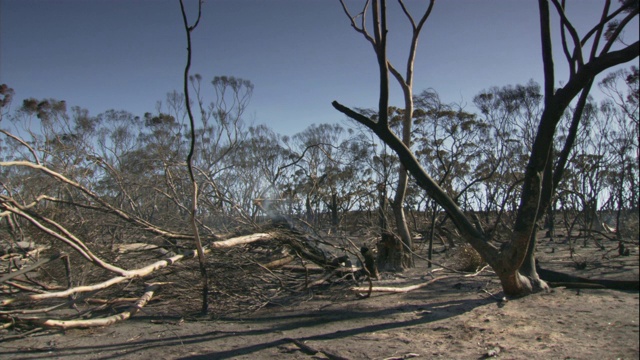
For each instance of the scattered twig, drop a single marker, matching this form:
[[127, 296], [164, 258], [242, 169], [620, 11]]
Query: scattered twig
[[312, 351], [499, 299], [20, 336], [477, 272], [405, 356], [398, 290], [304, 347]]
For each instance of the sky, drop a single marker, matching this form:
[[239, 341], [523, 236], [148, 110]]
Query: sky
[[299, 54]]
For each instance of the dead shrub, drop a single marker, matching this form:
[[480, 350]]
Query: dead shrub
[[466, 258]]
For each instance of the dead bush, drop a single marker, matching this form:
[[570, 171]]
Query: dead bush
[[466, 258]]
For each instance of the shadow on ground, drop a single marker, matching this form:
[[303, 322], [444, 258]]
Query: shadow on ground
[[243, 336]]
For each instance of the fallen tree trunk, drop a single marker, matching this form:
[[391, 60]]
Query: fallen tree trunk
[[241, 240], [555, 279], [133, 309]]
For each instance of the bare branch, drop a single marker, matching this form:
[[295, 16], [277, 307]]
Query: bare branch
[[596, 40], [65, 236], [23, 143], [566, 24], [362, 28], [604, 20], [93, 196], [547, 53], [618, 30], [397, 290]]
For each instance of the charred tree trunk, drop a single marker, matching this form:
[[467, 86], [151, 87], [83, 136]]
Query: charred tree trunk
[[309, 210], [390, 252], [514, 262], [550, 223], [382, 209], [369, 262], [405, 241], [335, 218]]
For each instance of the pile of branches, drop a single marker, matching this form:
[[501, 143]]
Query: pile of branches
[[275, 267]]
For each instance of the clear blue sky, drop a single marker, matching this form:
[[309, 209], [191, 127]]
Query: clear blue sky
[[300, 54]]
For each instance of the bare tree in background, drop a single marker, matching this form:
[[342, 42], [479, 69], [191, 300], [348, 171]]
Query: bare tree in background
[[402, 256]]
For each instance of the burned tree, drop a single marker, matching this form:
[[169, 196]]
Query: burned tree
[[514, 261], [400, 255]]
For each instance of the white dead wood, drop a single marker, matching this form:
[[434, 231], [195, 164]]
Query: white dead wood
[[609, 229], [133, 309], [405, 289], [241, 240]]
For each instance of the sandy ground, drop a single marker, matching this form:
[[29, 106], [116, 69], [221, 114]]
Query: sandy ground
[[454, 318], [451, 319]]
